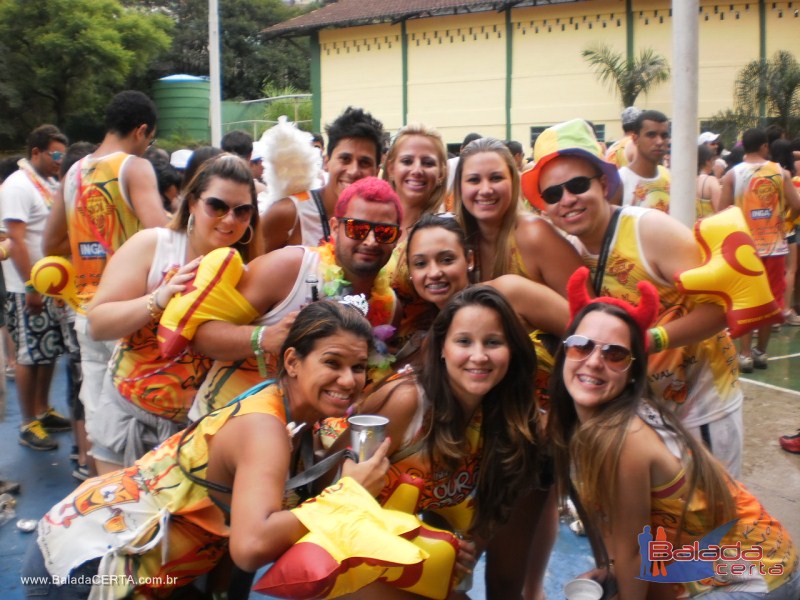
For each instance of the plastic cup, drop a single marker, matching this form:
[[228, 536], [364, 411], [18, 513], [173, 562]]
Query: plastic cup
[[367, 433], [583, 589]]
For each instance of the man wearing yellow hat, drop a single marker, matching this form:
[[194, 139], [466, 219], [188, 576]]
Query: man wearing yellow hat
[[692, 360]]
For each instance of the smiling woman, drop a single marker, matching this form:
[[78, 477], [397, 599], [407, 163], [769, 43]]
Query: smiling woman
[[176, 513], [146, 397]]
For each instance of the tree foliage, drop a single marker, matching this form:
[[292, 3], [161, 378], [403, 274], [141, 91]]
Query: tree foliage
[[775, 83], [248, 61], [298, 110], [628, 78], [63, 59]]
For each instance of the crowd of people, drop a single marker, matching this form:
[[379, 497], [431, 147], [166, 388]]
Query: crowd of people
[[518, 323]]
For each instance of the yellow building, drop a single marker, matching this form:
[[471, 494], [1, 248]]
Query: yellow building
[[506, 68]]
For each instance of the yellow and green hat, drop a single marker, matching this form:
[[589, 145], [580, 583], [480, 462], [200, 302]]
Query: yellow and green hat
[[570, 138]]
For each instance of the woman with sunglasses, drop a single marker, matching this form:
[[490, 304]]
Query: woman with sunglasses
[[216, 489], [504, 240], [642, 477], [145, 397]]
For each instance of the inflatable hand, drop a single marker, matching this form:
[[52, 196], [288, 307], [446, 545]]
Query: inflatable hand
[[54, 276], [732, 275], [350, 544], [434, 577], [211, 297]]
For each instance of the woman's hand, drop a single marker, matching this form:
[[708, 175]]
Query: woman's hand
[[177, 282], [370, 473], [275, 335], [467, 556]]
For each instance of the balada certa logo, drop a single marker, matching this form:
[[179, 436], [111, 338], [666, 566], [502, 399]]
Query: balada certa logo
[[707, 558]]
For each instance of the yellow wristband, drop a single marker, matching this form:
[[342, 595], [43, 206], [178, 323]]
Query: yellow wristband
[[660, 339]]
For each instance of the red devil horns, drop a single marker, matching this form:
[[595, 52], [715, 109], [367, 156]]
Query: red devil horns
[[644, 313]]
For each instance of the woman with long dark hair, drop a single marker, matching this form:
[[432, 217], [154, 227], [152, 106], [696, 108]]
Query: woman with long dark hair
[[145, 396], [637, 471]]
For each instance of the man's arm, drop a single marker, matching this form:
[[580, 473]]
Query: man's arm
[[266, 282], [18, 252], [670, 248], [55, 240], [278, 221], [139, 180], [726, 196]]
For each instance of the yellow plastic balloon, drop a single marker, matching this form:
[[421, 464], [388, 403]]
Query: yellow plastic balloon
[[54, 276], [732, 275], [212, 296]]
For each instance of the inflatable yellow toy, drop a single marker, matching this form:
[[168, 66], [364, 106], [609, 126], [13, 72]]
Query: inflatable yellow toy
[[54, 276], [732, 275], [212, 296], [353, 542]]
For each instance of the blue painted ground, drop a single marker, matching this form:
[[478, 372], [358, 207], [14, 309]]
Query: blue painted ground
[[46, 478]]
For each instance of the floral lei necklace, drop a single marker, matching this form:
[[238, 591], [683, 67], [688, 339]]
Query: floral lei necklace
[[381, 304]]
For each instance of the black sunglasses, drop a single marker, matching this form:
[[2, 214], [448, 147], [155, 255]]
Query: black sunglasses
[[617, 358], [576, 185], [217, 209], [385, 233]]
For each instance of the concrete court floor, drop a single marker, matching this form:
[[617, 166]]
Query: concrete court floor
[[772, 408]]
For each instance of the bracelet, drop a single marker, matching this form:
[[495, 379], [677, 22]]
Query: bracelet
[[153, 308], [660, 338], [255, 345], [29, 289], [5, 253]]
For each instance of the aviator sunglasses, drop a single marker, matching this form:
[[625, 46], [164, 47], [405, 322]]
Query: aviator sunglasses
[[385, 233], [578, 348], [576, 185], [218, 209]]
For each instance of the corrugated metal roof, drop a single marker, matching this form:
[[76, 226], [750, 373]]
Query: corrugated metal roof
[[348, 13]]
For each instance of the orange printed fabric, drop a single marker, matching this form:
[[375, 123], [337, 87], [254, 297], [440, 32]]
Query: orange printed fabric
[[149, 522], [445, 492], [754, 527], [758, 192], [99, 219], [164, 387]]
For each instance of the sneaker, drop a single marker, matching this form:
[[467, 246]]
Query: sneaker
[[792, 318], [33, 435], [54, 422], [8, 487], [791, 443], [760, 359], [81, 473], [745, 363]]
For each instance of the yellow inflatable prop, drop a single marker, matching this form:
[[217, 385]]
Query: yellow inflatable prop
[[212, 296], [732, 274], [54, 276], [353, 542]]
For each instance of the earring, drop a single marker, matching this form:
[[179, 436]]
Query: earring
[[249, 239], [190, 225], [469, 268]]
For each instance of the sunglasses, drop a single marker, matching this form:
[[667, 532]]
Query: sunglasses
[[385, 233], [56, 155], [576, 185], [218, 209], [617, 358]]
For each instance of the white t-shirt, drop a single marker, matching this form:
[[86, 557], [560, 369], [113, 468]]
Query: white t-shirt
[[21, 201]]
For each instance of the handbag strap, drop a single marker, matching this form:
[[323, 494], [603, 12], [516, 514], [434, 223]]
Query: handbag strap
[[611, 229]]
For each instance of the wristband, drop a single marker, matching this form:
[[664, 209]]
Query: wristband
[[29, 289], [255, 345], [5, 253], [153, 308], [660, 338]]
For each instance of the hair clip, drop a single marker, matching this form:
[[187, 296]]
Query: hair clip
[[358, 301]]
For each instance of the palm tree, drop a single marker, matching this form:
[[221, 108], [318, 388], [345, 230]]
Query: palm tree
[[770, 88], [629, 77]]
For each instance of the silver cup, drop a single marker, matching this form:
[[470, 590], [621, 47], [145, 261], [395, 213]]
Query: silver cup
[[583, 589], [367, 432]]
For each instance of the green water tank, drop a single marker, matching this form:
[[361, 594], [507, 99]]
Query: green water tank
[[182, 102]]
